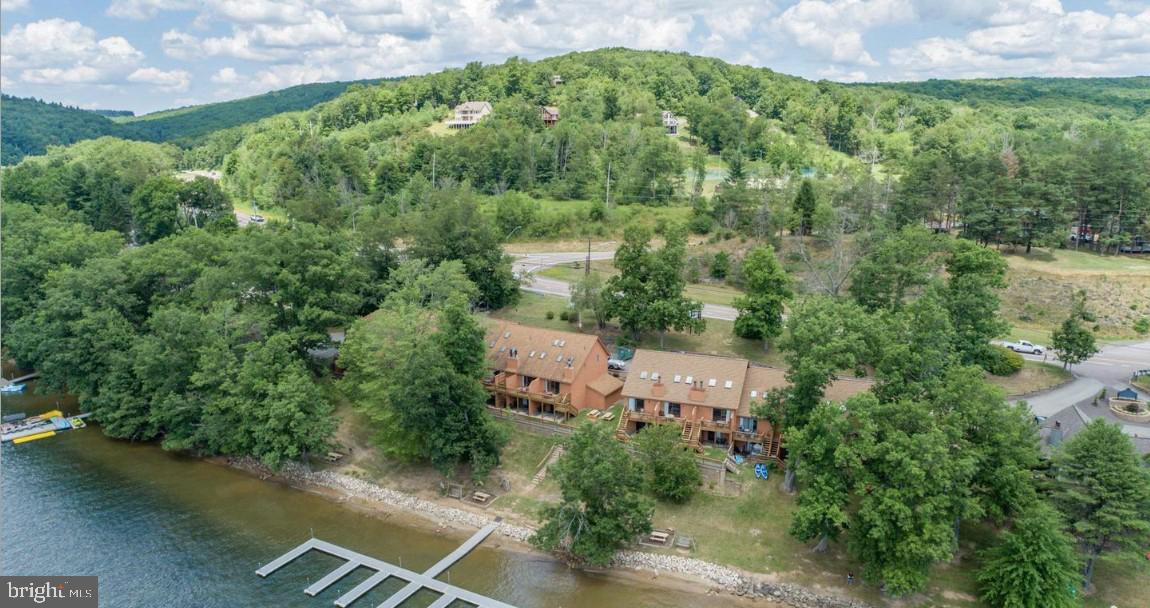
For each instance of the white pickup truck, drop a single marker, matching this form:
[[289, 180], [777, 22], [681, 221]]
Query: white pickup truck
[[1022, 346]]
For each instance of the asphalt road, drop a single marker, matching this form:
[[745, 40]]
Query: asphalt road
[[528, 265]]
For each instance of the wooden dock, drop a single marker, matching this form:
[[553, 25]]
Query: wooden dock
[[384, 570]]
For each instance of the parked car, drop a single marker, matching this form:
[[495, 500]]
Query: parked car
[[257, 219], [1022, 346], [616, 365]]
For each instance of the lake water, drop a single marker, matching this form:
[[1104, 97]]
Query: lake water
[[165, 530]]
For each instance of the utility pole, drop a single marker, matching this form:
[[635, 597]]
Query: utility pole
[[587, 270], [433, 169], [607, 205]]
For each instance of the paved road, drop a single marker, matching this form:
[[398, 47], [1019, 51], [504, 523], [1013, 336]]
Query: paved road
[[529, 264], [1111, 369]]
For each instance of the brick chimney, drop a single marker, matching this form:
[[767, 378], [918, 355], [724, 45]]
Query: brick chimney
[[697, 392], [658, 389]]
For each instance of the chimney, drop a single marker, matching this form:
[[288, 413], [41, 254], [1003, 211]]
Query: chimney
[[657, 389], [697, 392], [513, 360]]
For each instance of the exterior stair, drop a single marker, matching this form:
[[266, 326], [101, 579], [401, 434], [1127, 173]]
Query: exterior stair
[[621, 428], [554, 456]]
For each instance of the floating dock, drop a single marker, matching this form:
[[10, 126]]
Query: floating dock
[[45, 425], [384, 570]]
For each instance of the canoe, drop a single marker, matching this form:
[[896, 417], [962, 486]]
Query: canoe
[[13, 388]]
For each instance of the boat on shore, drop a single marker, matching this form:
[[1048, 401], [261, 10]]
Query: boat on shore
[[13, 388]]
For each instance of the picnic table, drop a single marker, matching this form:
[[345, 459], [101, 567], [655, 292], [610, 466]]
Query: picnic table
[[609, 416], [659, 537], [480, 497], [333, 456]]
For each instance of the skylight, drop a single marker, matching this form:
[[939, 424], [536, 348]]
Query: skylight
[[728, 384], [690, 380], [711, 382], [643, 375], [677, 378]]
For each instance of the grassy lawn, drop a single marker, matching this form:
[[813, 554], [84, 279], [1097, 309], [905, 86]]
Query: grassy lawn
[[710, 293], [524, 451], [717, 339], [278, 215], [1120, 580], [1068, 261], [1034, 376]]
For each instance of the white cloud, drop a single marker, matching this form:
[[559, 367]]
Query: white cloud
[[13, 5], [226, 75], [176, 81], [834, 29], [839, 75], [146, 9], [1053, 42]]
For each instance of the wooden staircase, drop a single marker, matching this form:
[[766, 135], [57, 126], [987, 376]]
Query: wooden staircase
[[621, 428], [552, 457], [690, 435]]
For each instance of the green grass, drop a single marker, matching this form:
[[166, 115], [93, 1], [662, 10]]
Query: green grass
[[524, 451], [1120, 580], [710, 293], [1068, 261], [278, 215], [1034, 376]]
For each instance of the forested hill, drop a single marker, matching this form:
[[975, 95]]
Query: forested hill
[[29, 125], [1127, 95]]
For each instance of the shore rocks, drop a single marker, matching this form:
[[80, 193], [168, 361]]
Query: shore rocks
[[727, 580]]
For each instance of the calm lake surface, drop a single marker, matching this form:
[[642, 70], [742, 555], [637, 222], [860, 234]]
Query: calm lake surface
[[164, 530]]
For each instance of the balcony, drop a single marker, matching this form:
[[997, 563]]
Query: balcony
[[750, 436], [642, 416], [716, 425]]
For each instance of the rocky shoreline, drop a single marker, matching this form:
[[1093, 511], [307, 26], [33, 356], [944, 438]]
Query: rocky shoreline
[[724, 579]]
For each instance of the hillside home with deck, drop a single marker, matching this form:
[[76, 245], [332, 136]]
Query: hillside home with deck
[[670, 122], [711, 398], [550, 115], [548, 373], [468, 114]]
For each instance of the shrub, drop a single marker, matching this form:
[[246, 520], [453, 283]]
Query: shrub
[[1002, 361], [564, 315], [550, 315], [1142, 326], [596, 213], [700, 224]]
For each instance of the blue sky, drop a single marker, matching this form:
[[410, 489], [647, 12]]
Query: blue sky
[[146, 55]]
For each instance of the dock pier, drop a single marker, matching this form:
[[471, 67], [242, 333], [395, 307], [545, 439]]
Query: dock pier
[[385, 570]]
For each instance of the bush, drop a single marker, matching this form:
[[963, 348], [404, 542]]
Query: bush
[[596, 213], [700, 224], [563, 315], [1142, 326], [550, 315], [1002, 361]]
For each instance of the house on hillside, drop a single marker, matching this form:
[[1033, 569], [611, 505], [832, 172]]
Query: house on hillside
[[670, 122], [711, 399], [550, 115], [556, 80], [468, 114], [547, 373]]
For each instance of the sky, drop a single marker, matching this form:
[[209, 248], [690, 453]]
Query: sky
[[147, 55]]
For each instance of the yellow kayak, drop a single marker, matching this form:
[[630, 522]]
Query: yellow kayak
[[28, 438]]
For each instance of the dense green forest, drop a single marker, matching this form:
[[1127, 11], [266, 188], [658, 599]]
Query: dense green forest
[[29, 126], [1109, 96], [138, 292]]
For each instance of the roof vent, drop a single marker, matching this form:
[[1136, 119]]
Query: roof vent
[[507, 334], [690, 380], [711, 382], [642, 375], [728, 384], [678, 378], [559, 357], [570, 361]]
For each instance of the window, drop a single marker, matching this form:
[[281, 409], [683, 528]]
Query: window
[[525, 381], [672, 410], [635, 405], [720, 415], [748, 425], [553, 387]]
